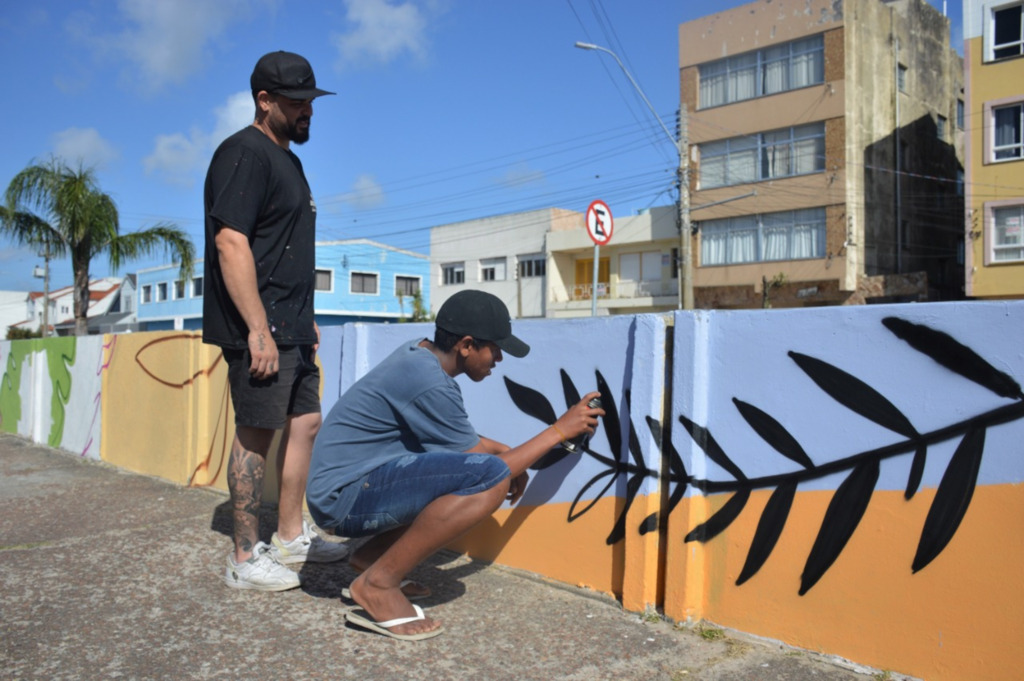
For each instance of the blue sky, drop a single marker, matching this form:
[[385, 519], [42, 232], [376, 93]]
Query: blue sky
[[447, 110]]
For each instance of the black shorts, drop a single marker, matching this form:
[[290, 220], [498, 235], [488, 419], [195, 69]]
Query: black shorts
[[267, 403]]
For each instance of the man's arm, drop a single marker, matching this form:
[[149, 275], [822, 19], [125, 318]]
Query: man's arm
[[578, 420], [239, 270]]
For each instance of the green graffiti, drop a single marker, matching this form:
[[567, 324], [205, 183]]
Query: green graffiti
[[60, 357], [10, 399]]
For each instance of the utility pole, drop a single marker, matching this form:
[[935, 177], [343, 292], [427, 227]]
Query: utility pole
[[45, 275], [685, 232]]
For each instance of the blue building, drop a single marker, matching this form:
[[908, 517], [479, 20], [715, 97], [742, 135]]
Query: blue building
[[357, 280]]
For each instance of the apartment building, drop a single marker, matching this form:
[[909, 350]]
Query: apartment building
[[824, 156], [994, 119]]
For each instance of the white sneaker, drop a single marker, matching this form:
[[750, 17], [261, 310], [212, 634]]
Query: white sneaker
[[308, 547], [261, 572]]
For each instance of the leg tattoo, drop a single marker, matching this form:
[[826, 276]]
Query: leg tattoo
[[245, 483]]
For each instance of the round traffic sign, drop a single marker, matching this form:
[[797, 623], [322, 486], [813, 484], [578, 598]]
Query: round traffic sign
[[599, 222]]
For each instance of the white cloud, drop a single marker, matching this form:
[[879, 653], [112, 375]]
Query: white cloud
[[180, 158], [381, 31], [236, 113], [520, 175], [83, 146], [164, 41], [366, 193]]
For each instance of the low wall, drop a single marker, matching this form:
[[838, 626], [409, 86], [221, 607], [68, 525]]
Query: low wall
[[845, 480]]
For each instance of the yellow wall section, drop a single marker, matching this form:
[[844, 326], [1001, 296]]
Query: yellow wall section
[[943, 623], [175, 391]]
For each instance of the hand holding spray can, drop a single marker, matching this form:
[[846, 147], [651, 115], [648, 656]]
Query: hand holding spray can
[[580, 441]]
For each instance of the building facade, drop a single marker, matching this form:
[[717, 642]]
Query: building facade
[[356, 280], [994, 119], [824, 163], [506, 255], [636, 269]]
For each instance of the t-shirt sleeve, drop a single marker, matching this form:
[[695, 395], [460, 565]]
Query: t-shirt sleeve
[[439, 419], [239, 183]]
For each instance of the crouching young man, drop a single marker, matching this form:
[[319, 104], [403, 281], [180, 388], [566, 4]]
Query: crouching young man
[[398, 461]]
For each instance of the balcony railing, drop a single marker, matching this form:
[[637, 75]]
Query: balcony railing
[[624, 290]]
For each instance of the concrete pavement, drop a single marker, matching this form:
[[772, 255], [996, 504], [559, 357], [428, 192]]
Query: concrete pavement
[[108, 574]]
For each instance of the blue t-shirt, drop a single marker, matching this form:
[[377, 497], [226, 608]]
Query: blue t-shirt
[[406, 404]]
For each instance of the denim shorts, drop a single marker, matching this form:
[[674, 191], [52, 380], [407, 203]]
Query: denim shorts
[[267, 403], [395, 493]]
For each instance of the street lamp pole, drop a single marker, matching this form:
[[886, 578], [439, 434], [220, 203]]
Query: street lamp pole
[[682, 146]]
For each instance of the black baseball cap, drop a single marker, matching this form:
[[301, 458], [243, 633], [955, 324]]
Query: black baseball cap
[[482, 316], [287, 74]]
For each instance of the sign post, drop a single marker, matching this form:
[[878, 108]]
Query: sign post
[[599, 226]]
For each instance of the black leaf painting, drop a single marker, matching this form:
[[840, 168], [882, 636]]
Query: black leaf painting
[[860, 470]]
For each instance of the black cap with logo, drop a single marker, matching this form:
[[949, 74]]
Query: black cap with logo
[[482, 316], [287, 74]]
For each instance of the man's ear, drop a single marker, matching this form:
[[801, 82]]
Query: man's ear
[[464, 345], [263, 102]]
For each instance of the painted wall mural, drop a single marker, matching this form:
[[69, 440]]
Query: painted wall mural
[[50, 391], [845, 479]]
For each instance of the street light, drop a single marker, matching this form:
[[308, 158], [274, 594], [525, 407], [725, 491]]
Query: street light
[[682, 146]]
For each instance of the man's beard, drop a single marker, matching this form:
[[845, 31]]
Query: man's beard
[[291, 131], [295, 134]]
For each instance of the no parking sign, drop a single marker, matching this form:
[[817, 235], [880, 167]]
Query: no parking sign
[[599, 223]]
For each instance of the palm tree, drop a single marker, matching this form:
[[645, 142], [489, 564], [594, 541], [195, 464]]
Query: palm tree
[[60, 209]]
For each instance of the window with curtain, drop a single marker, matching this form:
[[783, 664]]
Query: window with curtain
[[1008, 233], [787, 235], [779, 153], [779, 68], [1008, 123]]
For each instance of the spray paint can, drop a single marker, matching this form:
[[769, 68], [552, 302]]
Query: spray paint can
[[580, 441]]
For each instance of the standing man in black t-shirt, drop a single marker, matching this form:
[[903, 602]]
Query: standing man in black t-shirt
[[258, 307]]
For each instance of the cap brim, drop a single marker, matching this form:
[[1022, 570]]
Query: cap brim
[[513, 346], [311, 93]]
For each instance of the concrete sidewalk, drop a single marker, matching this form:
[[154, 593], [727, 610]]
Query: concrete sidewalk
[[107, 574]]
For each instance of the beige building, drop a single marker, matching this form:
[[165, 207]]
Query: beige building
[[823, 155], [994, 117]]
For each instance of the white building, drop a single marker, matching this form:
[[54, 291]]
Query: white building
[[505, 255]]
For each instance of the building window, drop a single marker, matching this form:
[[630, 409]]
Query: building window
[[789, 235], [1007, 125], [675, 263], [1008, 32], [901, 77], [364, 282], [640, 266], [781, 153], [147, 294], [453, 273], [161, 291], [179, 289], [492, 269], [1007, 236], [407, 286], [197, 287], [323, 280], [940, 127], [532, 265], [960, 114], [775, 69]]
